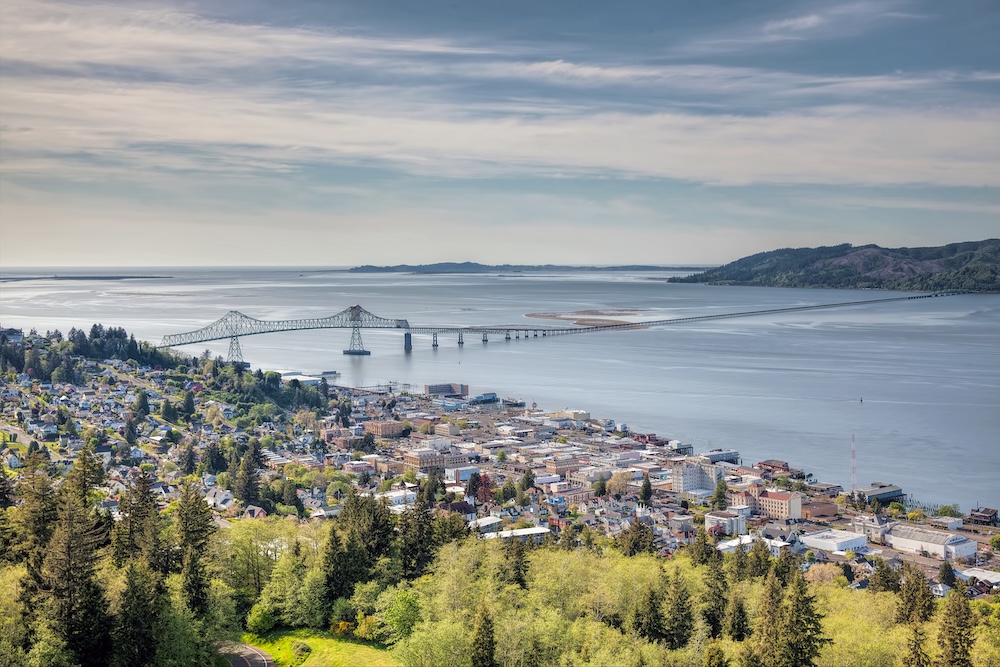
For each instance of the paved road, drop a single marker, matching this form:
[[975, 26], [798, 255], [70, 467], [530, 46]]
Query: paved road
[[243, 655]]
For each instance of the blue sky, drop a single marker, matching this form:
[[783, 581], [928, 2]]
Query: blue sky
[[342, 133]]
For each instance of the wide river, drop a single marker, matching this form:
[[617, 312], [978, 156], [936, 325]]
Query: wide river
[[778, 386]]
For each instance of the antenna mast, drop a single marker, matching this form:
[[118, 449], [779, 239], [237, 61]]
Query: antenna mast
[[854, 467]]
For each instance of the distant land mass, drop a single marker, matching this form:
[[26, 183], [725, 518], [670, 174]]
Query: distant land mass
[[474, 267], [973, 265]]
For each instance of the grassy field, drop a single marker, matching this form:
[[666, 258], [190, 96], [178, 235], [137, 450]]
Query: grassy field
[[327, 649]]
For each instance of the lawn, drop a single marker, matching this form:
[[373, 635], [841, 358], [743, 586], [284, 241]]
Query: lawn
[[327, 649]]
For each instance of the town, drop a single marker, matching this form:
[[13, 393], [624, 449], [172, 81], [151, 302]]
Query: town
[[510, 471]]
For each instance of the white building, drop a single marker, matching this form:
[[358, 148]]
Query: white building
[[746, 542], [524, 534], [732, 523], [834, 540], [943, 545]]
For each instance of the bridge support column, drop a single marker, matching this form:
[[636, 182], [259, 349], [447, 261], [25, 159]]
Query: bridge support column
[[536, 334], [507, 337], [407, 342], [460, 341], [357, 347], [517, 335], [543, 334], [434, 342], [485, 339], [235, 351]]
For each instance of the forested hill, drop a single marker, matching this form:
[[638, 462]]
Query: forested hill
[[475, 267], [974, 265]]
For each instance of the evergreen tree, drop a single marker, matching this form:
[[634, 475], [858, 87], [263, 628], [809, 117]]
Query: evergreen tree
[[713, 601], [517, 563], [759, 559], [528, 480], [647, 617], [187, 406], [736, 624], [738, 565], [34, 523], [702, 551], [955, 636], [884, 578], [188, 460], [416, 539], [916, 656], [719, 501], [193, 522], [372, 521], [86, 474], [195, 583], [141, 405], [714, 656], [6, 488], [168, 411], [802, 628], [472, 486], [344, 563], [646, 493], [946, 574], [482, 649], [138, 529], [784, 566], [767, 629], [134, 631], [71, 599], [678, 622], [600, 487], [246, 488], [636, 539], [915, 603], [214, 459]]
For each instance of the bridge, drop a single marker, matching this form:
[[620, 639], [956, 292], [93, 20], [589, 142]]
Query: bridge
[[235, 324]]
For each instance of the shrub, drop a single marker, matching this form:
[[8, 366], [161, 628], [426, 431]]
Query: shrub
[[300, 649], [261, 619]]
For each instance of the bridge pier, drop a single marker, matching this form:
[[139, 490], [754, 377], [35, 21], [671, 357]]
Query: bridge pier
[[485, 339], [460, 341], [434, 342], [517, 335], [407, 342], [536, 334], [507, 337]]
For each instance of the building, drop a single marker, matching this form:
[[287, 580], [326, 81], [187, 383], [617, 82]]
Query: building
[[459, 475], [694, 477], [824, 489], [733, 524], [774, 504], [389, 428], [984, 516], [561, 465], [834, 540], [774, 466], [719, 455], [817, 511], [446, 429], [874, 526], [449, 389], [428, 459], [573, 496], [883, 492], [936, 543], [536, 534]]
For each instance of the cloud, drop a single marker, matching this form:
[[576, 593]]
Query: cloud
[[794, 24]]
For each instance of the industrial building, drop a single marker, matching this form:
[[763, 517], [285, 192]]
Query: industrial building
[[943, 545], [834, 540]]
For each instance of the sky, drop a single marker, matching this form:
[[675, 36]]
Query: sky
[[339, 133]]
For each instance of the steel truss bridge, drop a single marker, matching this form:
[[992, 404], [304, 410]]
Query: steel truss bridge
[[235, 324]]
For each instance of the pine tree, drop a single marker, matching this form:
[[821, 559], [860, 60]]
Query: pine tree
[[738, 565], [138, 530], [141, 405], [86, 474], [719, 500], [482, 649], [34, 523], [646, 493], [701, 550], [884, 578], [600, 487], [736, 624], [767, 629], [168, 411], [955, 636], [916, 656], [946, 574], [344, 563], [371, 519], [636, 539], [802, 628], [71, 599], [195, 583], [784, 566], [6, 488], [135, 627], [713, 608], [246, 488], [188, 461], [517, 563], [647, 617], [915, 603], [714, 656], [678, 622], [759, 559], [187, 407], [416, 539]]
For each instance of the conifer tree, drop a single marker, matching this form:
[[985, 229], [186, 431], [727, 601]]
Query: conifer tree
[[915, 603], [482, 648], [344, 563], [71, 599], [802, 629], [784, 565], [246, 488], [946, 574], [34, 522], [168, 411], [371, 519], [955, 635], [713, 609], [135, 626], [647, 617], [714, 656], [188, 461], [138, 530], [187, 407], [701, 549], [517, 563], [86, 474], [916, 656], [646, 493], [736, 624], [884, 578], [193, 521], [738, 565], [767, 628], [759, 559], [141, 405], [678, 622], [195, 583], [600, 487], [719, 500], [416, 538], [6, 488], [636, 539]]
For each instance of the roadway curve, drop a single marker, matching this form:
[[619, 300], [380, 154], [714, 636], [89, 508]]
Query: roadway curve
[[244, 655]]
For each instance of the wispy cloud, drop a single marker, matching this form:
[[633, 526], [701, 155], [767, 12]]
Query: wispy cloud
[[795, 24]]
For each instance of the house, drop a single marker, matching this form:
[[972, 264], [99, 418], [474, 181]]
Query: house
[[467, 510], [940, 590], [984, 516], [254, 512], [11, 458], [220, 498]]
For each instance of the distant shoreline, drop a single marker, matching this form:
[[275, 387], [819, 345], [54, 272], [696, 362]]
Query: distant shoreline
[[24, 278], [474, 267]]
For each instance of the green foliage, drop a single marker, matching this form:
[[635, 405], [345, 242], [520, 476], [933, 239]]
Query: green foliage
[[718, 501], [135, 627], [949, 511], [646, 493], [735, 623], [956, 634], [678, 619], [884, 578], [714, 600], [802, 636], [636, 539], [946, 574], [916, 656], [995, 542], [482, 643], [916, 603]]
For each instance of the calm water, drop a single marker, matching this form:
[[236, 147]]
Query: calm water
[[783, 387]]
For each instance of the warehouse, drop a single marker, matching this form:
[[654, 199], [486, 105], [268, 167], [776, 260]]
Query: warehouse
[[834, 540]]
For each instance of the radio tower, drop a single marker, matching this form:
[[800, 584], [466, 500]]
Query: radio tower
[[854, 467]]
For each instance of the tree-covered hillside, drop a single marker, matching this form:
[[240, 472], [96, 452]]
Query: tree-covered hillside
[[974, 265]]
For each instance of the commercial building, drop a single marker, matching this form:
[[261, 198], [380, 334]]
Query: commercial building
[[426, 460], [918, 540], [389, 428], [449, 389], [834, 540], [719, 455], [883, 492], [693, 477], [733, 524], [459, 475], [775, 504]]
